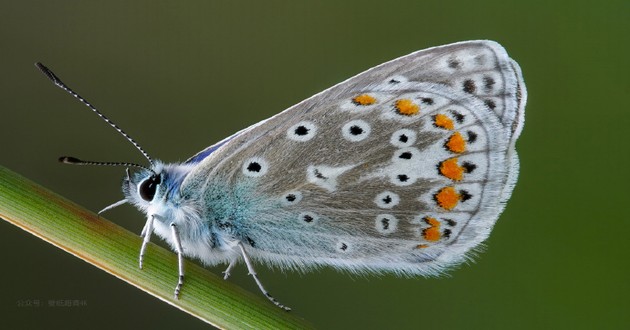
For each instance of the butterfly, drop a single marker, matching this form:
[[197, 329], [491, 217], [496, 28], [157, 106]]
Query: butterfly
[[401, 169]]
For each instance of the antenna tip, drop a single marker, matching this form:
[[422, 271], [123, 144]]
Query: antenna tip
[[42, 67], [70, 160], [49, 74]]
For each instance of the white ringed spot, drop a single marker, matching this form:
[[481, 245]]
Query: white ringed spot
[[308, 218], [402, 179], [405, 155], [387, 200], [302, 131], [403, 138], [255, 167], [386, 223], [291, 198], [356, 130]]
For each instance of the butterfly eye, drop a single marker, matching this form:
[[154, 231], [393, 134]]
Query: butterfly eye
[[148, 187]]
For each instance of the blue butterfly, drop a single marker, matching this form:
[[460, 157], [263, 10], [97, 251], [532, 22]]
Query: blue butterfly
[[402, 169]]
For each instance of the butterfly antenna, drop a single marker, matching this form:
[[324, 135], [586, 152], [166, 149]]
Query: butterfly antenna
[[51, 75], [76, 161]]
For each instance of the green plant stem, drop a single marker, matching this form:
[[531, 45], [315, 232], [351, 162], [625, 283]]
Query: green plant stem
[[115, 250]]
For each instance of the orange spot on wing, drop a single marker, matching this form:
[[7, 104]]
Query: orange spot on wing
[[450, 169], [364, 99], [432, 233], [443, 121], [432, 222], [422, 246], [447, 198], [456, 143], [407, 107]]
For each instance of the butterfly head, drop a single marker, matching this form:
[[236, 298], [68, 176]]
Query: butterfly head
[[142, 187], [155, 190]]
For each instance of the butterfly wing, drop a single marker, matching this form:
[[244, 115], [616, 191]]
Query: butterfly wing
[[402, 168]]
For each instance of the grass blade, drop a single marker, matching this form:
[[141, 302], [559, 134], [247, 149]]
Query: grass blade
[[115, 250]]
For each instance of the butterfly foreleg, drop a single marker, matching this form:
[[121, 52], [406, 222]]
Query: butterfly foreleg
[[146, 235], [147, 231], [180, 259]]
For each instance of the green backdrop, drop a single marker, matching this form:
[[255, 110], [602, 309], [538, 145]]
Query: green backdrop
[[179, 76]]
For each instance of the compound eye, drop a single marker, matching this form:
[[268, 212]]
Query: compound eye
[[148, 187]]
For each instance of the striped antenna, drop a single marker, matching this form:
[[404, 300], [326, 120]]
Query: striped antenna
[[76, 161], [63, 86]]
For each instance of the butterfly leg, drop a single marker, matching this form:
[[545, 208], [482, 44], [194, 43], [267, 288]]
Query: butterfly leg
[[146, 234], [180, 259], [228, 270], [252, 272]]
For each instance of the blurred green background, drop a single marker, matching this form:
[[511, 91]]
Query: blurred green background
[[179, 76]]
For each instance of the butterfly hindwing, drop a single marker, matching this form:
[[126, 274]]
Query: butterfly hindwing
[[401, 168]]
